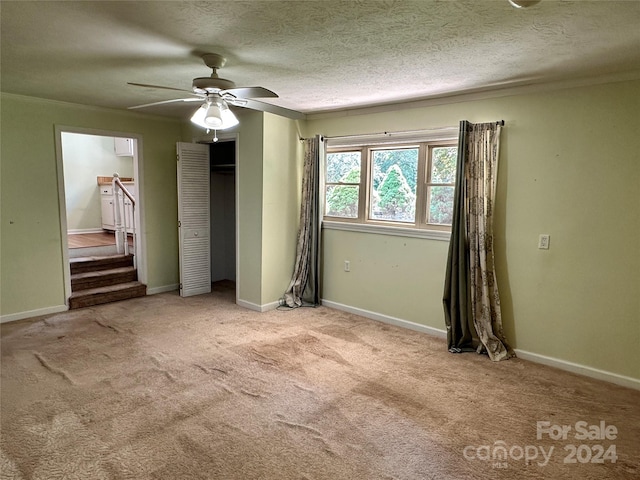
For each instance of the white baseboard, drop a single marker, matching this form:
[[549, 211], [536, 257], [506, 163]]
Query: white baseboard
[[579, 369], [165, 288], [251, 306], [523, 354], [76, 231], [12, 317], [258, 308], [386, 319], [270, 306]]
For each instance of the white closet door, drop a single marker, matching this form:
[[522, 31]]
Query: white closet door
[[193, 218]]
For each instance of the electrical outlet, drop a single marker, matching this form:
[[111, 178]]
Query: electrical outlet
[[543, 241], [347, 266]]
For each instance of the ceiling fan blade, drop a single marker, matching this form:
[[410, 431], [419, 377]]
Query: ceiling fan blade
[[238, 102], [267, 107], [158, 86], [167, 101], [250, 92]]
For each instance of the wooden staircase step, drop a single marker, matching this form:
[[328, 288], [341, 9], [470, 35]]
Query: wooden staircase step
[[103, 278], [91, 264], [111, 293]]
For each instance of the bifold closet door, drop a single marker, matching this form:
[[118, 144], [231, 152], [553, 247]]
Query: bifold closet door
[[193, 218]]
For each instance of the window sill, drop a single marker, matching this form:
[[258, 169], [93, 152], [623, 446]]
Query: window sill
[[388, 230]]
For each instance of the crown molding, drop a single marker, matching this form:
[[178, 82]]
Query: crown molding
[[89, 108], [478, 94]]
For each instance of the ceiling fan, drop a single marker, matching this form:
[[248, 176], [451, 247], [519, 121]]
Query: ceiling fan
[[216, 94]]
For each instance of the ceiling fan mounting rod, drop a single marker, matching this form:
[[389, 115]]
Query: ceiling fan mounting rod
[[214, 61]]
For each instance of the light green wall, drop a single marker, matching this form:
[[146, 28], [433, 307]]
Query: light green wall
[[85, 158], [569, 167], [31, 247], [250, 142], [282, 180], [396, 276]]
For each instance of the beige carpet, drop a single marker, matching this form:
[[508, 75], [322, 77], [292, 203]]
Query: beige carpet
[[199, 388]]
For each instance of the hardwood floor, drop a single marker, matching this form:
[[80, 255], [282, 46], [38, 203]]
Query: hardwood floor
[[84, 240]]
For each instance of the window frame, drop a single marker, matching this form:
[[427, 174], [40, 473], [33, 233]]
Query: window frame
[[363, 222], [429, 184], [330, 184]]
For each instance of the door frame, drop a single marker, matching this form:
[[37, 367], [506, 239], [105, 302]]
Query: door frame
[[138, 172], [230, 137]]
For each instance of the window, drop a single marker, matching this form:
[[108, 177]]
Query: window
[[408, 184], [343, 178], [441, 184]]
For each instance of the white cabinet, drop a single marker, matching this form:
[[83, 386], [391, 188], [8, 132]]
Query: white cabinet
[[108, 214], [108, 209], [123, 147]]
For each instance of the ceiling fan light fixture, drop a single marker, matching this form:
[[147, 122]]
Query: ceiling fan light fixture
[[228, 118], [199, 114], [214, 115], [523, 3]]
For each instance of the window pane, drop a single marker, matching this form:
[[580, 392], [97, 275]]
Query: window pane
[[443, 164], [343, 167], [342, 201], [393, 189], [440, 205]]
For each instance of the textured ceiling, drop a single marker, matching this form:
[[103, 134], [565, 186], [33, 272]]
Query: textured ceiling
[[317, 55]]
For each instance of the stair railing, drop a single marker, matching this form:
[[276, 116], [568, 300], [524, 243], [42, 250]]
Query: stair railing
[[121, 207]]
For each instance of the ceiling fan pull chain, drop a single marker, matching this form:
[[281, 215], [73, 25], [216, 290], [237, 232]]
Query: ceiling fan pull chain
[[215, 135]]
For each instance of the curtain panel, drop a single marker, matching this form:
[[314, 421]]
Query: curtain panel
[[304, 286], [471, 298]]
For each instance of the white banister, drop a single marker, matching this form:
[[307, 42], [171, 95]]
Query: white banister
[[120, 213]]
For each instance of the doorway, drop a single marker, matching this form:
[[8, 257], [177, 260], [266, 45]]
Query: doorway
[[222, 155], [86, 161]]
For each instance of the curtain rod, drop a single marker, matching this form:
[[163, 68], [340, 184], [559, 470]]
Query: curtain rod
[[406, 132]]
